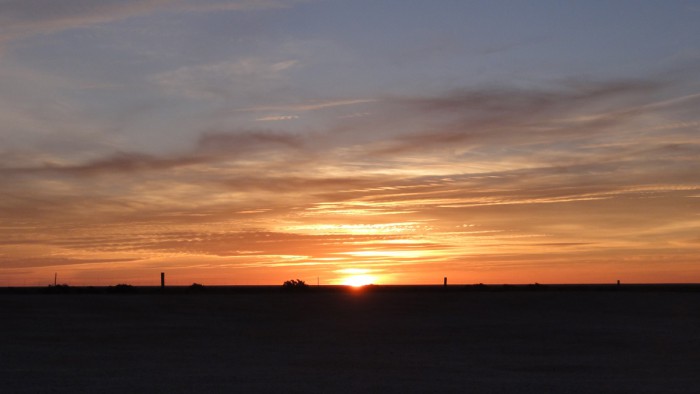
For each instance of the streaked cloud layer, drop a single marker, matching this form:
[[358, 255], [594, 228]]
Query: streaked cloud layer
[[249, 142]]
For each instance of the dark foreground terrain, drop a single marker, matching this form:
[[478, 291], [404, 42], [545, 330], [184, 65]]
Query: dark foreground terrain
[[352, 341]]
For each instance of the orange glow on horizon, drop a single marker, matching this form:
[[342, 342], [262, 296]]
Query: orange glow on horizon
[[356, 277], [358, 280]]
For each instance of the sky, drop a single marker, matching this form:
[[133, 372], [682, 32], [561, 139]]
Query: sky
[[249, 142]]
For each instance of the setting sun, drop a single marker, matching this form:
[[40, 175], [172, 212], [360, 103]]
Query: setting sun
[[356, 277], [358, 280]]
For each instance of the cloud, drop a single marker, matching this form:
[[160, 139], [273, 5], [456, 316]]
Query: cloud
[[276, 118], [248, 141], [233, 5], [509, 116], [249, 75], [541, 174], [311, 106], [53, 261], [117, 163], [23, 18], [500, 100], [212, 147], [308, 185], [492, 129]]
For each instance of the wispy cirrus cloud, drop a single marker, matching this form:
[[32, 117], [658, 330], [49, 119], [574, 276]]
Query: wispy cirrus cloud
[[23, 18], [499, 174], [32, 17], [277, 118], [596, 123], [224, 79], [210, 146], [309, 106], [514, 117]]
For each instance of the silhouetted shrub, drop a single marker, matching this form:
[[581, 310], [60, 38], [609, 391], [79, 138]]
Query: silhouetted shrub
[[197, 288], [477, 287], [295, 284], [59, 289], [122, 288]]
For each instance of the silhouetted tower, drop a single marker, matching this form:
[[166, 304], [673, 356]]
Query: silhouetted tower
[[162, 280], [444, 281]]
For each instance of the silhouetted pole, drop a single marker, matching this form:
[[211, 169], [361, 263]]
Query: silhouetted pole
[[444, 281], [162, 280], [55, 278]]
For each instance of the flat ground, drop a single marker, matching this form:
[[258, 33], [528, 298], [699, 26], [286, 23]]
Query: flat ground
[[401, 341]]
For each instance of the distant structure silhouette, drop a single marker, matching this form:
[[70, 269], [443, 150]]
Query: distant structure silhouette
[[444, 281], [162, 280]]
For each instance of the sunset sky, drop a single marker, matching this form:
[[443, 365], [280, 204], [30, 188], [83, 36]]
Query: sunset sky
[[349, 141]]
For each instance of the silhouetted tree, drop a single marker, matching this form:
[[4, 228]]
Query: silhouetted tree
[[294, 284]]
